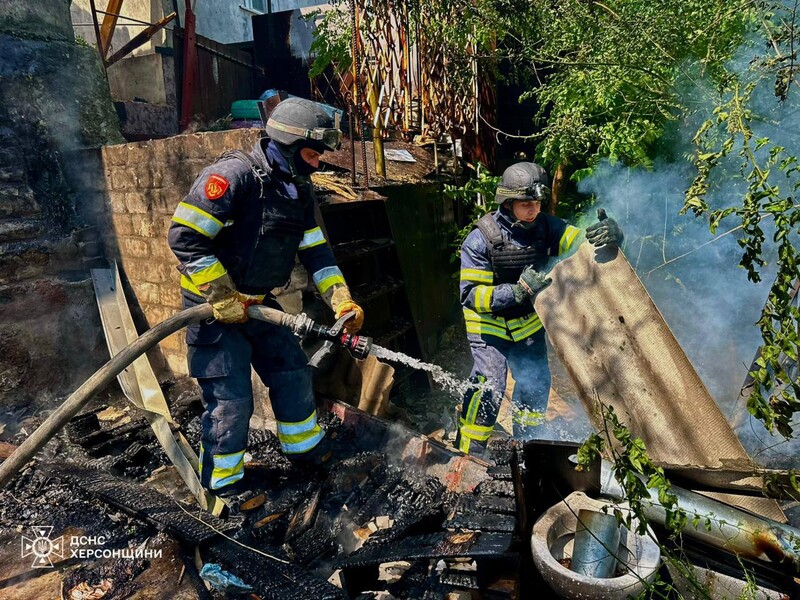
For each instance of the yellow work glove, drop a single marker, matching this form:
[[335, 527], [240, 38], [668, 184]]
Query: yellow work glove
[[342, 303], [232, 309], [230, 306]]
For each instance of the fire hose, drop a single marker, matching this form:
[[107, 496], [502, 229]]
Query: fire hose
[[358, 346]]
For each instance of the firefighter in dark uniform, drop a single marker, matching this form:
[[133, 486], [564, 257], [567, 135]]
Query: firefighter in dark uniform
[[236, 235], [503, 266]]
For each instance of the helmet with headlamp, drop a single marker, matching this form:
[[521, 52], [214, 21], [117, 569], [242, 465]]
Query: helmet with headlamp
[[523, 181], [298, 122]]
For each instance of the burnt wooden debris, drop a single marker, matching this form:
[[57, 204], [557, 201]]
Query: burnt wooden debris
[[373, 505]]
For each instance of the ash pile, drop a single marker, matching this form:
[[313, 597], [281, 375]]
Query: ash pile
[[392, 515]]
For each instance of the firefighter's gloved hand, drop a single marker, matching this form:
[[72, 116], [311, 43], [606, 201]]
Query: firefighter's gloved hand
[[352, 325], [531, 282], [342, 303], [605, 232], [230, 306], [233, 309]]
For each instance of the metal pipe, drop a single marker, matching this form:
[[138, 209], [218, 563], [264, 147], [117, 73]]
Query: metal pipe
[[596, 544], [718, 524], [99, 40]]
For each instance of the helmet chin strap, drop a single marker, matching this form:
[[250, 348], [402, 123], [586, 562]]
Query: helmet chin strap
[[515, 222], [299, 169]]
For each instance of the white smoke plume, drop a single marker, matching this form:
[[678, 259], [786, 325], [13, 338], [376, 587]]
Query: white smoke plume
[[693, 275]]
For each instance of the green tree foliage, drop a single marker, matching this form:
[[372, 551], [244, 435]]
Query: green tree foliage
[[609, 76], [604, 74]]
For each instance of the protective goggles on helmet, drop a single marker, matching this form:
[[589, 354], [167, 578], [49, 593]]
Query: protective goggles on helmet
[[537, 191], [330, 138]]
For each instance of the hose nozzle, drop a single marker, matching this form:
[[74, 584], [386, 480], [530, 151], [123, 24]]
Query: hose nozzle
[[357, 345]]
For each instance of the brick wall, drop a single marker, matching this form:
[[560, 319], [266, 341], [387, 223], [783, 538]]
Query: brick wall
[[144, 182]]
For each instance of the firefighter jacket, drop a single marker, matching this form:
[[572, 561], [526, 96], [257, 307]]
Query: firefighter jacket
[[246, 216], [490, 265]]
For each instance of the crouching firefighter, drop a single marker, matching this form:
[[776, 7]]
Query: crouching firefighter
[[236, 235], [503, 266]]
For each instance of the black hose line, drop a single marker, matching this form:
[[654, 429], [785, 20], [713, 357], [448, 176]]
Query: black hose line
[[300, 324]]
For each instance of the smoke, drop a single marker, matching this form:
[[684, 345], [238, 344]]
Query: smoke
[[692, 275]]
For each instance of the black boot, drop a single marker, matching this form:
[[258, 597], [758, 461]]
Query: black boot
[[318, 456], [240, 499]]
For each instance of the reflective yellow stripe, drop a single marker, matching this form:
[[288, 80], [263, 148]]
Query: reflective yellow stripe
[[300, 436], [526, 331], [567, 239], [520, 321], [480, 433], [485, 323], [197, 219], [287, 427], [463, 444], [211, 273], [471, 315], [483, 298], [477, 275], [311, 238], [529, 418], [187, 284], [228, 468], [473, 406], [327, 277], [481, 328]]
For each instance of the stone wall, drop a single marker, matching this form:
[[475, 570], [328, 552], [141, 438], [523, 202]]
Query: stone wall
[[142, 183], [53, 99]]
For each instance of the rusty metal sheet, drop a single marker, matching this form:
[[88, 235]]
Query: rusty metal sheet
[[395, 171], [619, 351]]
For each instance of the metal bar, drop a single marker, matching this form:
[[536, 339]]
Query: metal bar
[[718, 524], [109, 23], [189, 67], [377, 134], [119, 16], [118, 25], [139, 39], [98, 36], [352, 149]]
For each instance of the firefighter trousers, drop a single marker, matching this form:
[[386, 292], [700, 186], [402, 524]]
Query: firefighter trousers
[[220, 356], [493, 357]]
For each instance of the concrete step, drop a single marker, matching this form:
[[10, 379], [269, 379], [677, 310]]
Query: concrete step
[[16, 230], [18, 201]]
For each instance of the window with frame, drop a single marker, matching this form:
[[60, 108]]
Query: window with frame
[[258, 6]]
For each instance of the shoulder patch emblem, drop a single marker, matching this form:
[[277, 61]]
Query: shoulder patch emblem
[[216, 186]]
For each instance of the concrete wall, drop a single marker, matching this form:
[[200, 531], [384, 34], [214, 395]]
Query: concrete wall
[[224, 22], [142, 183], [148, 77]]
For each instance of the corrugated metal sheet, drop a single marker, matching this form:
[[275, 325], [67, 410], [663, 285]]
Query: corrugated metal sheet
[[224, 74], [618, 349]]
